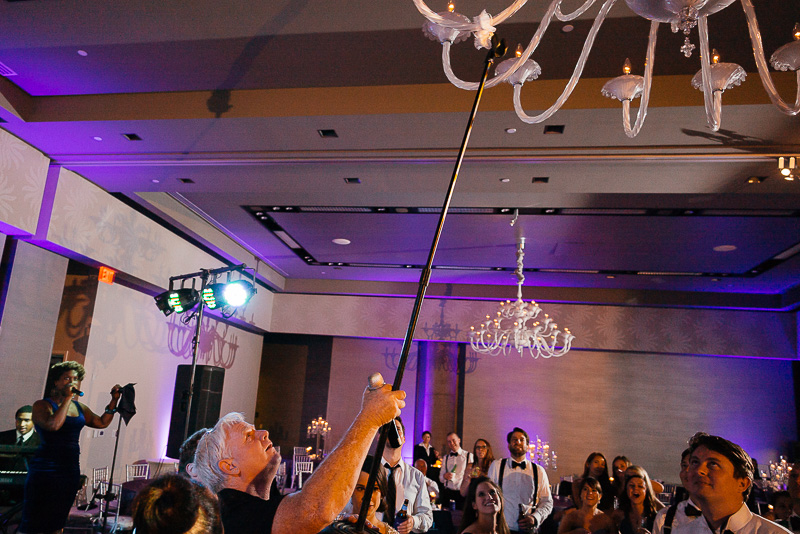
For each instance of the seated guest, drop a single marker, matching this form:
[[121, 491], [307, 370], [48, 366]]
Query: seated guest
[[174, 504], [720, 476], [377, 500], [618, 467], [425, 451], [587, 518], [186, 460], [638, 505], [595, 466], [780, 510], [433, 487], [482, 458], [681, 512], [239, 463], [483, 508]]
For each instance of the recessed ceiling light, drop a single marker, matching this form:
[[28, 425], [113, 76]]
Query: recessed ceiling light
[[756, 179], [131, 137], [341, 241], [156, 181], [511, 130], [327, 133], [83, 53], [556, 129], [505, 180], [186, 180], [610, 276], [352, 180], [97, 138], [566, 28], [724, 248], [715, 279]]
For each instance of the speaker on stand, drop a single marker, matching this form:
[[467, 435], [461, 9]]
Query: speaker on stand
[[206, 401]]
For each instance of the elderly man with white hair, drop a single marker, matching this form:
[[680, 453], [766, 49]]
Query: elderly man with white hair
[[239, 463]]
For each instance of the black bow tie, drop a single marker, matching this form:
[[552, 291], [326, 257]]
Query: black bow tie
[[691, 511], [522, 465], [453, 454]]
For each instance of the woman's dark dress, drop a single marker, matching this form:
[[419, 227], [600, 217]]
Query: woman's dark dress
[[53, 476]]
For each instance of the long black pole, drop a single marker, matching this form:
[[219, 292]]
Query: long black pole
[[109, 495], [195, 344], [498, 50]]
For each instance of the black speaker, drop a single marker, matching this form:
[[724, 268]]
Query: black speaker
[[208, 381]]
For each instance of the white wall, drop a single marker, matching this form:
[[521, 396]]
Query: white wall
[[131, 341]]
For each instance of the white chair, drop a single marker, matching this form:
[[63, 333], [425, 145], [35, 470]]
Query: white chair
[[301, 467], [299, 451], [99, 474], [115, 522], [137, 471]]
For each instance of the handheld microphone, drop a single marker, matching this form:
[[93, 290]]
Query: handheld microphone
[[76, 391]]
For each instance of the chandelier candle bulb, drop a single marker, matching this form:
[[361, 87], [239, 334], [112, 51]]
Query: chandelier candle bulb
[[626, 67]]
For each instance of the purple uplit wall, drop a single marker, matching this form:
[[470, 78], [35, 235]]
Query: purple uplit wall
[[642, 405]]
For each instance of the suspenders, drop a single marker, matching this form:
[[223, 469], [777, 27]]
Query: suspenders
[[535, 481]]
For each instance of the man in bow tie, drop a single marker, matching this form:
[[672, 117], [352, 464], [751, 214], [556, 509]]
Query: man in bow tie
[[679, 513], [451, 474], [405, 482], [720, 476], [524, 483]]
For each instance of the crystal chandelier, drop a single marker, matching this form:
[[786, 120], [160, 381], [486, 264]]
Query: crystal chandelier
[[713, 78], [515, 325]]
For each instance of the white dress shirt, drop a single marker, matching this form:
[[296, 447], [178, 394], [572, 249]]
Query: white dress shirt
[[25, 437], [410, 484], [680, 516], [518, 488], [742, 522], [460, 462]]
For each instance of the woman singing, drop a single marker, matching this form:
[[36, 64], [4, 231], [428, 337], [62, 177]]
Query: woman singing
[[54, 472]]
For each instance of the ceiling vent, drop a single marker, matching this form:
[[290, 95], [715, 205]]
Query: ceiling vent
[[327, 133], [554, 129], [132, 137], [352, 180], [186, 180], [6, 71]]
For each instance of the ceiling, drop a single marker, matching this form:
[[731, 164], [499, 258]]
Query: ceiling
[[227, 99]]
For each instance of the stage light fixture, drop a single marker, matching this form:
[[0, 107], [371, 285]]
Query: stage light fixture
[[177, 300], [162, 302], [233, 294]]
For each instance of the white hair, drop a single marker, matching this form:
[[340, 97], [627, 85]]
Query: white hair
[[212, 448]]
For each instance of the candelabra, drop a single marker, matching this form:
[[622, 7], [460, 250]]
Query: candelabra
[[542, 454], [318, 428], [779, 474]]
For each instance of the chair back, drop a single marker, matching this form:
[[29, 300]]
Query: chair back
[[305, 467], [99, 474], [137, 471]]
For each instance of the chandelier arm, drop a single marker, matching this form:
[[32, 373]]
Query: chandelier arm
[[436, 18], [532, 45], [761, 63], [575, 14], [576, 74], [458, 82], [713, 113], [641, 114]]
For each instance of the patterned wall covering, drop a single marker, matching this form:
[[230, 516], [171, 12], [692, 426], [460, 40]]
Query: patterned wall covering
[[88, 221], [352, 361], [131, 341], [23, 171], [644, 406], [612, 328]]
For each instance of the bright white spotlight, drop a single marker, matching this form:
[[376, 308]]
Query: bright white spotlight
[[237, 293]]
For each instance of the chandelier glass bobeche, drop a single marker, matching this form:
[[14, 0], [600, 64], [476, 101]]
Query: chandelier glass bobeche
[[713, 78], [516, 325]]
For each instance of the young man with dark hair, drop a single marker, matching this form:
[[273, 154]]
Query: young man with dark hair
[[720, 477], [524, 483], [681, 512], [405, 482]]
